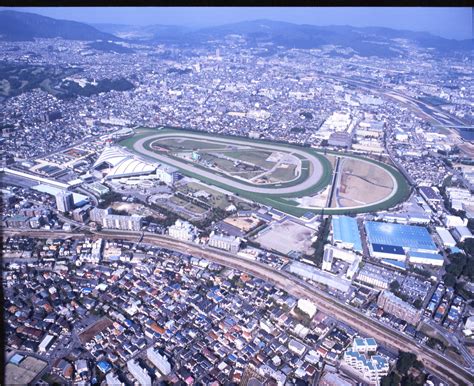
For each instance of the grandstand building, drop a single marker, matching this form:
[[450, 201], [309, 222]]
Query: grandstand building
[[115, 162]]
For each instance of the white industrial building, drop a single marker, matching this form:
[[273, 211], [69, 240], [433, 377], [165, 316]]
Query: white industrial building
[[309, 272], [462, 233], [454, 221], [446, 238], [426, 258]]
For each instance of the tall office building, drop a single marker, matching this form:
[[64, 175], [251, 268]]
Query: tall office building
[[64, 201]]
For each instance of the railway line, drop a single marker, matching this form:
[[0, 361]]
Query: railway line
[[434, 361]]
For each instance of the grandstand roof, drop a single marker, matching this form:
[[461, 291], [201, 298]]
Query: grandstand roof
[[122, 163], [345, 230], [407, 236]]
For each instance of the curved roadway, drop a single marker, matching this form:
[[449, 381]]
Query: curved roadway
[[317, 168]]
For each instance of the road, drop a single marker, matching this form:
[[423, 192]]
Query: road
[[434, 361], [316, 167]]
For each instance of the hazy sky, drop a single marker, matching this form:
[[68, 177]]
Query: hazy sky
[[447, 22]]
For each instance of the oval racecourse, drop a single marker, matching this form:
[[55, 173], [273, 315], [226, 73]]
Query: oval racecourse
[[292, 179]]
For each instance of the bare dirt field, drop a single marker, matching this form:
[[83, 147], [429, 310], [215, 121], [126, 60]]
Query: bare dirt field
[[245, 224], [362, 183], [286, 237], [86, 335]]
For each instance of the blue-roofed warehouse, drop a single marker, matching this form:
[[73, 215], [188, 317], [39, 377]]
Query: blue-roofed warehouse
[[426, 258], [346, 233], [409, 237]]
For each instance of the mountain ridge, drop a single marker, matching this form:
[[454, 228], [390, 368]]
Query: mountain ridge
[[363, 41], [25, 26]]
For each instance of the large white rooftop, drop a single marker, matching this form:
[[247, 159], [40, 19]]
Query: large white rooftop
[[123, 164]]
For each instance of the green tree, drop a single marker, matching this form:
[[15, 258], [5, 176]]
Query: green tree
[[394, 286], [449, 279], [405, 361], [468, 270], [418, 303], [392, 379]]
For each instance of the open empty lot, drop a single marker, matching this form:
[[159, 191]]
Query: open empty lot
[[362, 183], [286, 237], [86, 335], [23, 373], [245, 224]]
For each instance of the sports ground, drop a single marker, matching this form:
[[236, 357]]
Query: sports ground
[[275, 174]]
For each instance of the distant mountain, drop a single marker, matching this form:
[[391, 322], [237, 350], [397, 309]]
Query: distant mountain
[[18, 26], [156, 33], [372, 41], [367, 41], [342, 41]]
